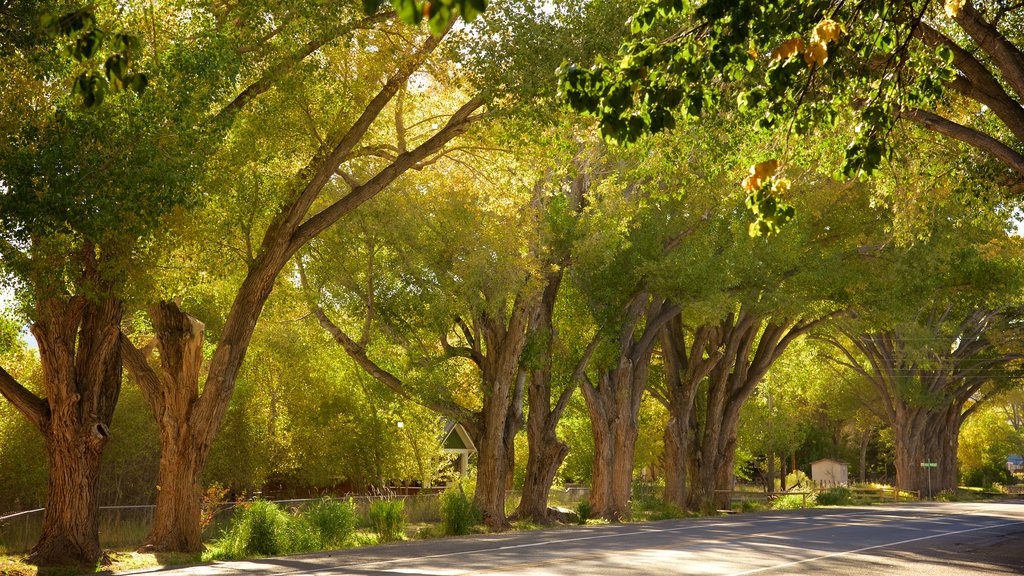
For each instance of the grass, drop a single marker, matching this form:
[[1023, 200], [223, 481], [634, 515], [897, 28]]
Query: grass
[[14, 565]]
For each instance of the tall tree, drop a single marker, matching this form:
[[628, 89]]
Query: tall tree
[[347, 155], [929, 388], [84, 193]]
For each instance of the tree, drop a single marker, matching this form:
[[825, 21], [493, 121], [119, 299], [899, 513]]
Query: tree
[[84, 193], [986, 442], [800, 65], [930, 387], [347, 157]]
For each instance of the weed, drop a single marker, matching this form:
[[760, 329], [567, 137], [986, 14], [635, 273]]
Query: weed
[[458, 512], [388, 519]]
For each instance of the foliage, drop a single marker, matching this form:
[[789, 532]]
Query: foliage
[[458, 512], [333, 522], [986, 440], [838, 496], [438, 13], [262, 528], [387, 517], [801, 66], [87, 48], [257, 529], [793, 501], [213, 499], [583, 511]]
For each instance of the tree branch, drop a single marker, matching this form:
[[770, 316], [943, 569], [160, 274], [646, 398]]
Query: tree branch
[[36, 409]]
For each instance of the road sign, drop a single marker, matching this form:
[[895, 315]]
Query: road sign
[[929, 464]]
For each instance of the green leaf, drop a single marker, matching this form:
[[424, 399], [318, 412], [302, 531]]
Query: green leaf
[[945, 54], [408, 11]]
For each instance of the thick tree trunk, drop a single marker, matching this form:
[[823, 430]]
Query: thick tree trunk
[[923, 435], [750, 345], [82, 379], [614, 404], [71, 522], [614, 417], [685, 368], [185, 439], [677, 451], [176, 525]]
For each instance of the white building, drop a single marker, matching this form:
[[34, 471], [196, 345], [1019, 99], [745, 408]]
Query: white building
[[827, 473]]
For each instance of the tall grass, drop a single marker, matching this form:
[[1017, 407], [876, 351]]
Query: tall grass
[[387, 518], [458, 512], [263, 529]]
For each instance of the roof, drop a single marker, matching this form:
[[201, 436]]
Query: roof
[[455, 438], [829, 460]]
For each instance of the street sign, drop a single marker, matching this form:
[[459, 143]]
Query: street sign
[[929, 464]]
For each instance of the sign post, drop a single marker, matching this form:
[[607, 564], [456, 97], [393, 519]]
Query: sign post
[[928, 466]]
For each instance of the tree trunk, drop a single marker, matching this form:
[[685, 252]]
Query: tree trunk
[[677, 451], [685, 368], [70, 522], [185, 439], [614, 416], [923, 435], [176, 521], [614, 404], [82, 379], [546, 450], [750, 345]]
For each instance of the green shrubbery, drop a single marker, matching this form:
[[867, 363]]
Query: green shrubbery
[[458, 512], [838, 496], [793, 501], [264, 529], [388, 519], [583, 511]]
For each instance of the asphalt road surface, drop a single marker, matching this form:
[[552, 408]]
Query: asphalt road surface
[[933, 539]]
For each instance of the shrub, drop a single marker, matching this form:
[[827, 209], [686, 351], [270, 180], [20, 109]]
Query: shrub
[[839, 496], [258, 529], [333, 522], [388, 519], [583, 511], [458, 512], [793, 502]]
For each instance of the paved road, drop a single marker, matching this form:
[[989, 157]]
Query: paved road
[[935, 539]]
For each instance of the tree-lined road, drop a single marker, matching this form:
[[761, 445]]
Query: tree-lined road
[[938, 539]]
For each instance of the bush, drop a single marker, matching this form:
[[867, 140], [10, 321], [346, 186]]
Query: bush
[[458, 512], [258, 529], [388, 519], [583, 511], [332, 521], [839, 496], [793, 502]]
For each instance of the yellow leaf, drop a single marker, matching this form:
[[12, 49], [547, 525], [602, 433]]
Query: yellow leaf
[[816, 55], [781, 186], [759, 173], [788, 49], [827, 31], [953, 7]]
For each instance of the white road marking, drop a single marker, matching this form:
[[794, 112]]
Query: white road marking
[[875, 547]]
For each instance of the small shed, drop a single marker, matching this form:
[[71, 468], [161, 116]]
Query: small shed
[[827, 473], [455, 440]]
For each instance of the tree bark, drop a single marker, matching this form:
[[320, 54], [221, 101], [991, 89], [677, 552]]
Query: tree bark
[[172, 392], [685, 368], [614, 404], [77, 339], [750, 345], [924, 393]]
